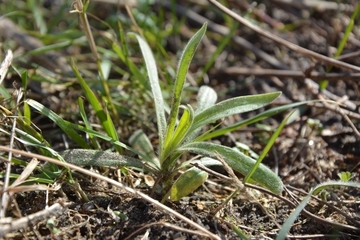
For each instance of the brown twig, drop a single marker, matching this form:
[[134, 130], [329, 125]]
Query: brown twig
[[344, 113], [287, 73], [326, 60], [165, 224], [260, 14], [314, 88], [334, 108], [317, 5], [10, 225]]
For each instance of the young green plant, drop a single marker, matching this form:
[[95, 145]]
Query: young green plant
[[175, 178], [177, 136]]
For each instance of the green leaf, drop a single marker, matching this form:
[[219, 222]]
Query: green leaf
[[257, 118], [291, 219], [188, 182], [180, 78], [206, 98], [87, 157], [232, 106], [239, 162], [64, 125], [268, 146], [183, 126], [345, 176], [180, 132], [155, 87], [103, 115], [139, 141]]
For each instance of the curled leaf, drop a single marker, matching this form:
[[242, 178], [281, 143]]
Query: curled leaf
[[188, 182]]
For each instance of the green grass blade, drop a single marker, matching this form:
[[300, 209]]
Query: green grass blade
[[133, 68], [55, 20], [87, 123], [49, 171], [257, 118], [185, 60], [233, 106], [48, 48], [238, 161], [38, 16], [25, 80], [109, 139], [323, 84], [268, 147], [348, 31], [64, 125], [27, 113], [4, 94], [103, 115], [291, 219], [155, 87], [31, 133], [30, 180], [240, 233], [125, 161]]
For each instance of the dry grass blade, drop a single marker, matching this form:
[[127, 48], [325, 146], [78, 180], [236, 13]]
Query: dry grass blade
[[5, 196], [16, 187], [5, 65], [26, 173], [201, 229], [4, 200]]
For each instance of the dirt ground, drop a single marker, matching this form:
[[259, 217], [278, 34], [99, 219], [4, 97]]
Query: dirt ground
[[318, 145]]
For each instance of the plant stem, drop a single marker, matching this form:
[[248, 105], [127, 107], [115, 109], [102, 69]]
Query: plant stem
[[79, 8]]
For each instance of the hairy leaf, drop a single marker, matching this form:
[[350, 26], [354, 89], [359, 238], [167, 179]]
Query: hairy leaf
[[238, 161]]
